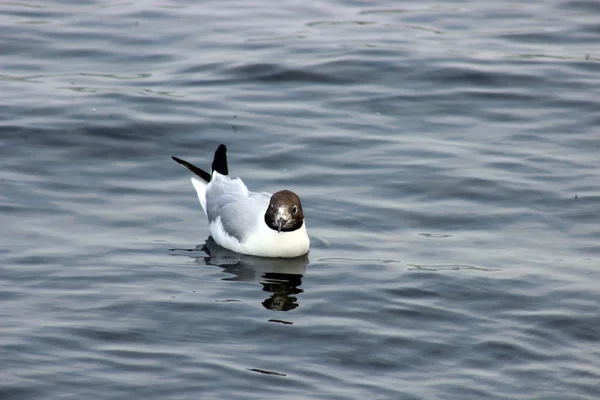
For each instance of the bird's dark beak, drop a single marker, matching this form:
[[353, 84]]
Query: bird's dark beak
[[280, 223]]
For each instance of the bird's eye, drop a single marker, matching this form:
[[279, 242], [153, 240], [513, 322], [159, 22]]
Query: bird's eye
[[294, 210]]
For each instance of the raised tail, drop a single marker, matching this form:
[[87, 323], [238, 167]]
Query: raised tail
[[219, 164]]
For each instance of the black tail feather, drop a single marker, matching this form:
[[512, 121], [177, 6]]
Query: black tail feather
[[219, 164], [220, 161], [200, 172]]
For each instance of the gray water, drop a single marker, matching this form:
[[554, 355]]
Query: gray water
[[447, 155]]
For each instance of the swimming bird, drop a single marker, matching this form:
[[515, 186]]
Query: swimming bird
[[258, 224]]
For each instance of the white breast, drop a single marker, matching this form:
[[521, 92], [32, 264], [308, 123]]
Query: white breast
[[264, 241]]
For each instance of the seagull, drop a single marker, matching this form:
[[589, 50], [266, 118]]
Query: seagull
[[257, 224]]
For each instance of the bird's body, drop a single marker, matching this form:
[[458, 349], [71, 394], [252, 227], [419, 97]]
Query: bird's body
[[246, 222]]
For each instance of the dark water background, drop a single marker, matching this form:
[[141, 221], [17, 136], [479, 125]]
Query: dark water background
[[448, 158]]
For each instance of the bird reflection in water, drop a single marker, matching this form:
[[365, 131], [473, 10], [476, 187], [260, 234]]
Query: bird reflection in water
[[280, 276]]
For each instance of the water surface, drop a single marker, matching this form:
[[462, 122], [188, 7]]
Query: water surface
[[447, 155]]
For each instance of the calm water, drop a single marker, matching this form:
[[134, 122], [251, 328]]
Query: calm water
[[447, 154]]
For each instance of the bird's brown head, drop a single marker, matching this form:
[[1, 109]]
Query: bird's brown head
[[284, 213]]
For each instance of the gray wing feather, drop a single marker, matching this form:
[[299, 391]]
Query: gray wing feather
[[237, 207], [239, 216]]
